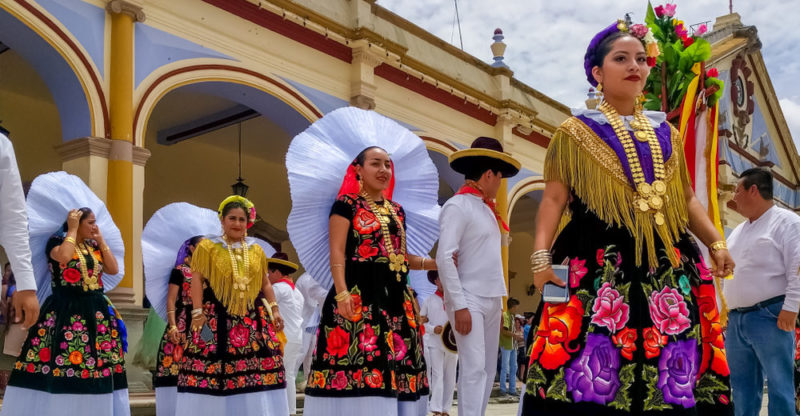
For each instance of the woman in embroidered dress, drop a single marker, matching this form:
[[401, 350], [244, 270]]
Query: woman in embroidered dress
[[170, 351], [369, 347], [73, 358], [232, 362], [640, 333]]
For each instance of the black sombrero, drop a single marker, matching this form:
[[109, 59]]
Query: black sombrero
[[449, 338], [485, 151], [282, 260]]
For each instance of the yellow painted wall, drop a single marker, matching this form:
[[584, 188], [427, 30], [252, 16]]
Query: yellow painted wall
[[28, 111]]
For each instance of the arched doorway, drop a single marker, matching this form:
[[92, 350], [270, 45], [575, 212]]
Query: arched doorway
[[524, 205]]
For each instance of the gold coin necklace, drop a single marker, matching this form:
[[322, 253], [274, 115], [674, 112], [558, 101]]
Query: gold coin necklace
[[651, 196], [241, 281], [397, 262], [89, 282]]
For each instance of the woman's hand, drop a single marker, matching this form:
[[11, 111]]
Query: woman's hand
[[173, 335], [73, 219], [277, 320], [346, 307], [98, 236], [544, 277], [723, 263], [198, 322]]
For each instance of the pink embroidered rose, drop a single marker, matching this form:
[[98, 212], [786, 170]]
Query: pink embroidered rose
[[705, 273], [577, 269], [339, 381], [668, 311], [610, 309], [400, 347]]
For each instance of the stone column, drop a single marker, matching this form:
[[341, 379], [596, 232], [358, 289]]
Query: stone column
[[362, 75]]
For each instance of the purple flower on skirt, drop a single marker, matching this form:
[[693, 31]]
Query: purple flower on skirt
[[594, 375], [677, 372]]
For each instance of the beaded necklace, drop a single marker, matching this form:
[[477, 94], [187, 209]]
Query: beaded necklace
[[89, 282], [650, 196], [397, 262], [241, 282]]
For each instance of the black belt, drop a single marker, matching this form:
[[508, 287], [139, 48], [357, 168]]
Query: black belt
[[760, 305]]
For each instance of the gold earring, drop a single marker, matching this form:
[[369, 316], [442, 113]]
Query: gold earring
[[640, 99], [599, 87]]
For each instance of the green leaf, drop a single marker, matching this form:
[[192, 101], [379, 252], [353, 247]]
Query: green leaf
[[655, 398], [536, 379], [624, 289], [622, 400], [650, 17], [709, 387], [558, 388], [647, 289]]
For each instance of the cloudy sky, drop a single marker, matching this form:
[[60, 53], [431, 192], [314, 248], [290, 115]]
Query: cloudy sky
[[547, 38]]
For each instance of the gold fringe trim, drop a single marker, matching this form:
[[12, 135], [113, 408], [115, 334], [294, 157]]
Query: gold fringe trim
[[213, 261], [581, 160]]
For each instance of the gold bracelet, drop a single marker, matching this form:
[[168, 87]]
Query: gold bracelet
[[717, 246], [422, 263], [71, 240], [337, 265], [173, 326], [342, 295], [106, 248], [273, 304]]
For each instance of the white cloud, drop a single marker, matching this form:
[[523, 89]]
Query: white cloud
[[547, 39], [791, 111]]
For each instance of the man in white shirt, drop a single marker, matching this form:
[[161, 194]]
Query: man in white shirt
[[290, 302], [313, 298], [470, 228], [14, 235], [763, 298], [441, 361]]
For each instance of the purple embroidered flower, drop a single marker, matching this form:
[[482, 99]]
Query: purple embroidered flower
[[594, 375], [677, 372]]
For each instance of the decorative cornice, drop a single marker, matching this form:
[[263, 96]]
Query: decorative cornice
[[125, 7], [101, 147]]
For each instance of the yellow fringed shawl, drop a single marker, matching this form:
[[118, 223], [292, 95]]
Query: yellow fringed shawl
[[580, 159], [214, 262]]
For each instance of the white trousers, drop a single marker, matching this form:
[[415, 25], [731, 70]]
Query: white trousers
[[441, 376], [477, 353], [307, 351], [291, 356]]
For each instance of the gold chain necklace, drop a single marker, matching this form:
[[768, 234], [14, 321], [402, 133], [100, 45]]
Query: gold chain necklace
[[650, 196], [241, 282], [397, 262], [89, 282]]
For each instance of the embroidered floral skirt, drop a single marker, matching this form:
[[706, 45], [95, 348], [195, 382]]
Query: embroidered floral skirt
[[631, 340], [75, 346], [377, 353], [170, 355], [243, 356]]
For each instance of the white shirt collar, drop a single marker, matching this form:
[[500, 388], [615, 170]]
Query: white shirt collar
[[656, 117]]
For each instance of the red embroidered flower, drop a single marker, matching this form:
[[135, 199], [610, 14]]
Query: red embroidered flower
[[338, 342], [177, 354], [367, 339], [240, 336], [44, 354], [797, 343], [85, 373], [599, 257], [653, 341], [366, 250], [72, 275], [711, 331], [30, 368], [365, 222], [626, 340], [560, 325], [357, 376], [374, 379], [339, 381]]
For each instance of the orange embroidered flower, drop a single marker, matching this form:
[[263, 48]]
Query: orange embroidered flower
[[374, 379], [626, 340], [365, 222], [560, 325], [75, 357], [319, 379], [41, 332], [412, 383], [271, 378], [711, 331], [167, 361], [409, 309], [356, 307]]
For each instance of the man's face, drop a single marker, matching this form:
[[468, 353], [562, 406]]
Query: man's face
[[745, 198]]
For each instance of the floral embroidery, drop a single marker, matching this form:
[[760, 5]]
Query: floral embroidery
[[560, 325], [594, 375], [653, 341], [357, 307], [399, 346], [576, 272], [367, 250], [669, 312], [626, 341], [677, 372], [713, 354], [610, 309], [338, 342], [408, 306]]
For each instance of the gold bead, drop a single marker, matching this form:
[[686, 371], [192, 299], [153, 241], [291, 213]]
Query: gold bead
[[656, 202], [659, 218], [660, 187], [645, 189]]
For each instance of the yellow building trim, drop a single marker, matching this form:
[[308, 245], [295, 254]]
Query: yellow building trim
[[522, 188]]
